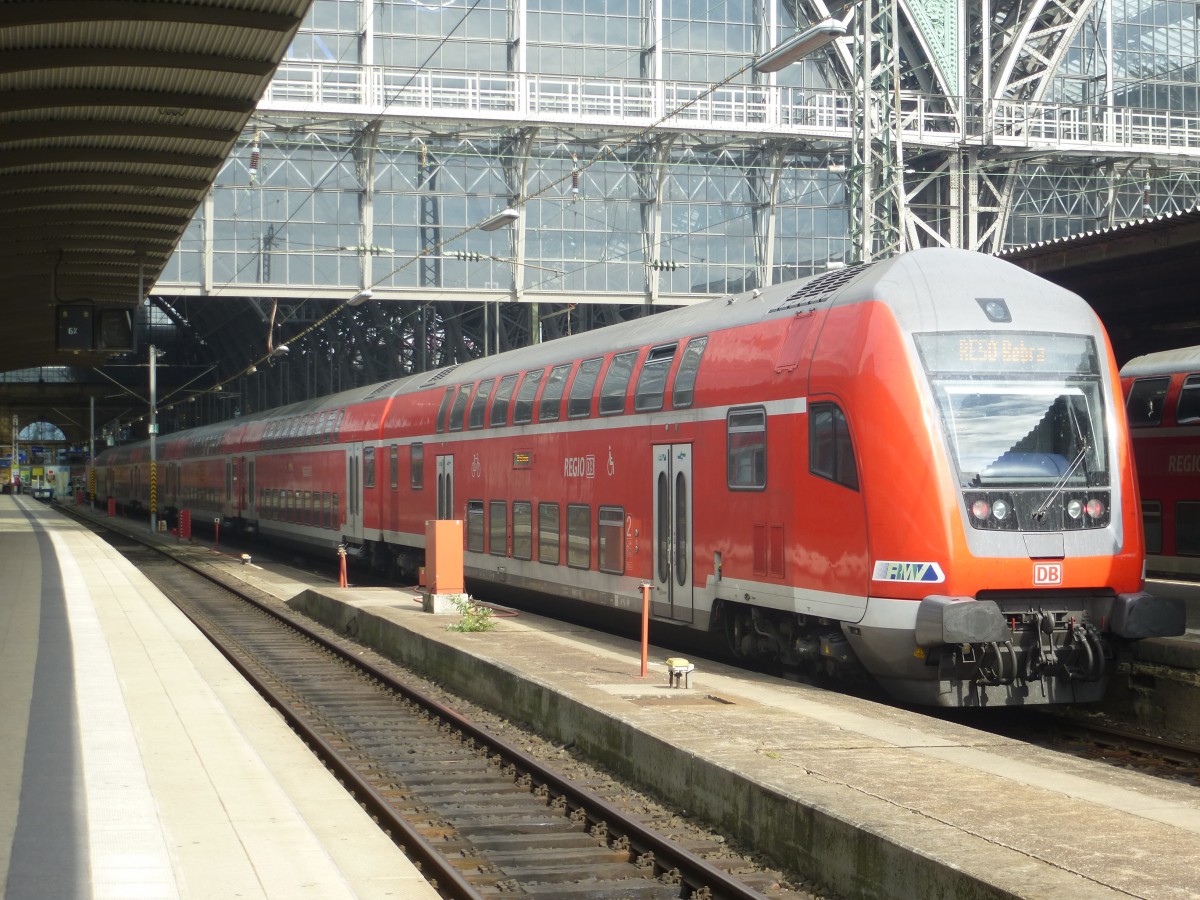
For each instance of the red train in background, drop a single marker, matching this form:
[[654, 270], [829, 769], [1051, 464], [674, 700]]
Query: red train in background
[[917, 469], [1162, 392]]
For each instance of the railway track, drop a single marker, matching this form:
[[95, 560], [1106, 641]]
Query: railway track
[[1091, 736], [481, 815]]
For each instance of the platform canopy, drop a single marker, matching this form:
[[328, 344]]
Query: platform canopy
[[115, 116]]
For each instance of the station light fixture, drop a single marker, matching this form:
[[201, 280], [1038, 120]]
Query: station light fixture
[[800, 45], [361, 297], [506, 216]]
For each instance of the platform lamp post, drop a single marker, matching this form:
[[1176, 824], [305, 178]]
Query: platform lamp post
[[507, 216], [91, 466], [153, 433]]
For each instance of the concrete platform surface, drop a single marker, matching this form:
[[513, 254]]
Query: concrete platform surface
[[135, 761]]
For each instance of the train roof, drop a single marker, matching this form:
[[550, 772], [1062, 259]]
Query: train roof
[[1165, 362], [926, 273], [917, 278]]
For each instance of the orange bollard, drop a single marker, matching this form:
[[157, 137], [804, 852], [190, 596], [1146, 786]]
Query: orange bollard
[[645, 627], [342, 580]]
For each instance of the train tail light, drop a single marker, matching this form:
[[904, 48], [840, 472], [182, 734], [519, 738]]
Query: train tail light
[[1095, 508], [981, 509]]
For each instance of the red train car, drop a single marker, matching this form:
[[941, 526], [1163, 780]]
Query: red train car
[[1162, 392], [917, 469]]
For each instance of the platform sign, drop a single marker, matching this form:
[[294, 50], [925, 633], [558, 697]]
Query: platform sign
[[75, 323]]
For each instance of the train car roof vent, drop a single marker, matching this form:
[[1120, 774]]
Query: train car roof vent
[[439, 375], [380, 389], [821, 288]]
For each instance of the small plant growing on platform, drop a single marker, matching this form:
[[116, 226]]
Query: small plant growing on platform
[[474, 616]]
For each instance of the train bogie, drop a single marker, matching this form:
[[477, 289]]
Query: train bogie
[[916, 470]]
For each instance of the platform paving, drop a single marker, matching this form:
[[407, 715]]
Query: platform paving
[[136, 762]]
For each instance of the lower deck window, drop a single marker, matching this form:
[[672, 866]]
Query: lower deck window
[[475, 526], [1187, 528], [830, 451], [746, 449], [498, 528], [579, 536], [1152, 525], [522, 528], [610, 533], [548, 533]]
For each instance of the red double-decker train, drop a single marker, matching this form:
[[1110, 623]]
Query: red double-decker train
[[1162, 392], [917, 469]]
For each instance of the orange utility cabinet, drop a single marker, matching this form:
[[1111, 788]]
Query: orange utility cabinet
[[444, 556]]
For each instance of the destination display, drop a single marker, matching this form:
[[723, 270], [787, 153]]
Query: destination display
[[988, 352]]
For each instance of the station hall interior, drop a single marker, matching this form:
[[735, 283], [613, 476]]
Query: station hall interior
[[249, 203]]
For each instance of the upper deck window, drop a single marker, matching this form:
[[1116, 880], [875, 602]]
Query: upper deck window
[[652, 382], [551, 403], [685, 378], [579, 406], [1188, 410], [458, 412], [499, 415], [523, 407], [443, 409], [1146, 398], [479, 404], [616, 383]]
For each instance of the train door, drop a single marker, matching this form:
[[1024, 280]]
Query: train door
[[354, 498], [445, 487], [673, 531], [239, 487]]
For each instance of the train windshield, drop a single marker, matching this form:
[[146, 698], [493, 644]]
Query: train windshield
[[1020, 410]]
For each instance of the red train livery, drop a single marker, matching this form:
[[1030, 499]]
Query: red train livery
[[917, 469], [1162, 392]]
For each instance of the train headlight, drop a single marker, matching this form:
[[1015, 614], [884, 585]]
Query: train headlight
[[994, 308], [995, 511], [1095, 508], [1074, 508]]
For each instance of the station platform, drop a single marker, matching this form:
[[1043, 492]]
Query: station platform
[[134, 760], [867, 798]]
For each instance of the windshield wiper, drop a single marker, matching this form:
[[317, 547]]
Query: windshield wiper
[[1040, 512]]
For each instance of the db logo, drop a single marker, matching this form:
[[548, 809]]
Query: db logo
[[1047, 573]]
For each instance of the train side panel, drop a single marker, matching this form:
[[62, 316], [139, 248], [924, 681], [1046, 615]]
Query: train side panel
[[1163, 408]]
